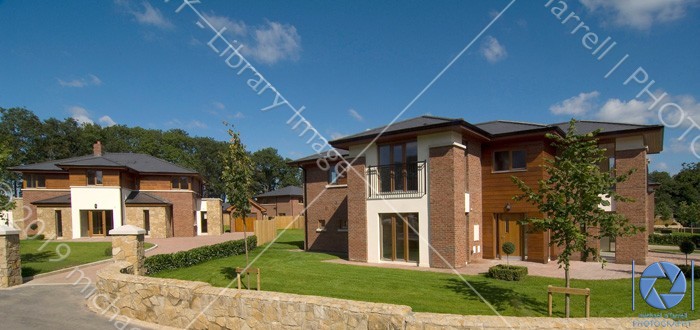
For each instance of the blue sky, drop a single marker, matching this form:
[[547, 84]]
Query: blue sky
[[353, 65]]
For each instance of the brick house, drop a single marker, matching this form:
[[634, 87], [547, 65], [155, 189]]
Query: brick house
[[435, 191], [287, 201], [89, 195]]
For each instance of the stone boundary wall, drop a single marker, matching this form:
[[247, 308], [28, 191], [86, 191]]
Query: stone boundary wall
[[178, 303]]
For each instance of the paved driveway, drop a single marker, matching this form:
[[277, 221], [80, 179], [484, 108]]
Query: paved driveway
[[51, 307]]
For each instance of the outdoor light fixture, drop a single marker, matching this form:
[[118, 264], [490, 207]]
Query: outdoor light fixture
[[507, 207], [95, 206]]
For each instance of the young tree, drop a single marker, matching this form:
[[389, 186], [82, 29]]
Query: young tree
[[687, 247], [237, 177], [508, 248], [570, 198]]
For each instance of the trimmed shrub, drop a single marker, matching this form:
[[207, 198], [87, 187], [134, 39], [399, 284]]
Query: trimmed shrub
[[39, 237], [507, 272], [686, 271], [33, 226], [182, 259], [108, 251], [674, 239]]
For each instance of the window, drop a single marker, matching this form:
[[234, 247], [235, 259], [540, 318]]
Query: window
[[36, 181], [282, 214], [398, 167], [181, 182], [343, 224], [147, 220], [337, 175], [510, 160], [94, 177], [321, 225], [59, 223]]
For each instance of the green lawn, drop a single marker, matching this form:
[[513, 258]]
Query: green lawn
[[289, 271], [38, 258]]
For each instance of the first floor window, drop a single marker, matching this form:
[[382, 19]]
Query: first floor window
[[509, 160], [36, 181], [94, 177], [337, 175], [181, 182]]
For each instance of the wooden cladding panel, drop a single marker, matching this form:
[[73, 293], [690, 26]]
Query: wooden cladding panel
[[153, 182]]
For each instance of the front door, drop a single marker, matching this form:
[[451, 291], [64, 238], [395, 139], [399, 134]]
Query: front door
[[509, 230], [399, 237], [100, 222]]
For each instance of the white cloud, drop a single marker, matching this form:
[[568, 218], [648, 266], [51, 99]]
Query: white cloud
[[492, 50], [107, 121], [177, 123], [198, 124], [146, 14], [632, 112], [219, 105], [238, 115], [336, 135], [660, 166], [81, 115], [90, 80], [356, 115], [577, 105], [268, 43], [639, 14]]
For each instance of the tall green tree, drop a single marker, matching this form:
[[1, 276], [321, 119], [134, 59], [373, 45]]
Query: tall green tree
[[570, 198], [272, 171], [237, 177]]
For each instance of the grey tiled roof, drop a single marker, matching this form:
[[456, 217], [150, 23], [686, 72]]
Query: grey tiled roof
[[507, 127], [60, 200], [286, 191], [343, 153], [411, 123], [141, 163], [137, 197], [587, 126]]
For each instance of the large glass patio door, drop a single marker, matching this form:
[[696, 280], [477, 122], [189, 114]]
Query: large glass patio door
[[99, 222], [399, 237]]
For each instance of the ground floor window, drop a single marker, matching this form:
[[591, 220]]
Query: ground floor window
[[399, 237], [59, 223], [147, 220], [203, 222]]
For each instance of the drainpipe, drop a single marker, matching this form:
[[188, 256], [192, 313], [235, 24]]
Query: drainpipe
[[306, 210]]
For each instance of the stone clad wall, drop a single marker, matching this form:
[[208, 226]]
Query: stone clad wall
[[10, 268], [178, 303]]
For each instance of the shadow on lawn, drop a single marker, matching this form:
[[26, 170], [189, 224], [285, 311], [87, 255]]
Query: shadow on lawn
[[37, 257], [500, 298]]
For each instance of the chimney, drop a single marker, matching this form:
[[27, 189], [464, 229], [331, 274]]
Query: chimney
[[97, 148]]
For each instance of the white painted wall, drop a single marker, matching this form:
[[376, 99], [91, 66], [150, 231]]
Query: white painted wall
[[106, 198], [408, 205]]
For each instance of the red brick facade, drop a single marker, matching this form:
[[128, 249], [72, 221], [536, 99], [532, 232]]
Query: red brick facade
[[331, 207], [633, 247], [448, 220], [357, 211], [282, 205], [183, 213]]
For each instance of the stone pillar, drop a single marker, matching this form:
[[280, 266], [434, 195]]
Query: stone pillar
[[448, 218], [127, 245], [634, 247], [10, 265], [215, 218], [357, 212]]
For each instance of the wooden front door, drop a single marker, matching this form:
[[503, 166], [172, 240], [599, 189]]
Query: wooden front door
[[100, 222], [509, 230]]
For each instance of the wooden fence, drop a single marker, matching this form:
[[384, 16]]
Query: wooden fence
[[284, 221], [265, 230]]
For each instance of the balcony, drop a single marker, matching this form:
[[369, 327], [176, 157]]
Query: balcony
[[396, 181]]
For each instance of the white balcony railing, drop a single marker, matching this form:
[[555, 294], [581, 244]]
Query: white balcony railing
[[405, 180]]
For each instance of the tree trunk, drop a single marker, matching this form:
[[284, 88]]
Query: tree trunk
[[567, 301], [245, 244]]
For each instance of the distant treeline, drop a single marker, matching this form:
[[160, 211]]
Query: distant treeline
[[26, 139]]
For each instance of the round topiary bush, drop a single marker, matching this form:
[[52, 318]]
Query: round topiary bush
[[687, 247], [508, 248], [33, 226]]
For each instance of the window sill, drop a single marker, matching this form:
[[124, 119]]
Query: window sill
[[332, 186], [509, 171], [320, 230], [342, 230]]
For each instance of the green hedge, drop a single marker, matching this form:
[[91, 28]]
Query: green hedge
[[182, 259], [686, 270], [674, 239], [507, 272]]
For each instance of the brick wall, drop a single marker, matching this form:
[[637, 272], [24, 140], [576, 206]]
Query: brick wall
[[31, 196], [357, 212], [183, 216], [633, 247], [275, 206], [473, 165], [448, 221], [332, 207]]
